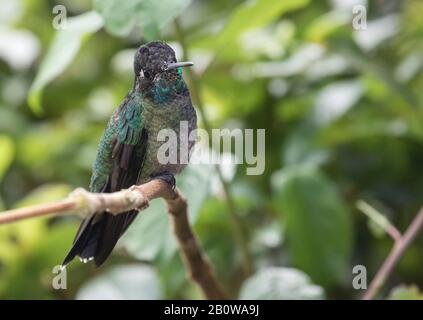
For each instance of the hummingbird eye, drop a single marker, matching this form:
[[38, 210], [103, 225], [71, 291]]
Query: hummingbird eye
[[144, 74]]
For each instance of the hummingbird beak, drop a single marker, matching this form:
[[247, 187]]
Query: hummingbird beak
[[175, 65]]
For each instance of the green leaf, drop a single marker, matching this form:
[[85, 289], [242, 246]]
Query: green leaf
[[257, 13], [249, 15], [403, 292], [121, 16], [7, 151], [325, 25], [316, 222], [149, 235], [277, 283], [127, 282], [63, 49]]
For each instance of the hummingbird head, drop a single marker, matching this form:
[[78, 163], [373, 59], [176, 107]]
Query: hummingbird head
[[155, 66]]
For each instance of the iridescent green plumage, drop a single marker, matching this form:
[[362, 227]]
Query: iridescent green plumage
[[124, 126]]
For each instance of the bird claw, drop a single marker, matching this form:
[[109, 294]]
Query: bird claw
[[167, 177]]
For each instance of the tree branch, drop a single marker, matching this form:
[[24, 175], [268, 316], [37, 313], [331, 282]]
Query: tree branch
[[137, 198], [195, 260], [400, 245], [238, 227]]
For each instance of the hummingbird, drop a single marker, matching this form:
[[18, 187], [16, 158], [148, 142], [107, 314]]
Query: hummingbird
[[127, 152]]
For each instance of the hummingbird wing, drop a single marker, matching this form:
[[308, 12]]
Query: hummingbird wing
[[117, 166]]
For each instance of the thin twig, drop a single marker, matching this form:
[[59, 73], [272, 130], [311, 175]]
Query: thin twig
[[239, 233], [136, 198], [379, 219], [394, 256], [24, 213]]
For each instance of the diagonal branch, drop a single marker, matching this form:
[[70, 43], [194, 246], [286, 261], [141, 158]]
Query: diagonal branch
[[137, 197], [400, 245], [194, 258]]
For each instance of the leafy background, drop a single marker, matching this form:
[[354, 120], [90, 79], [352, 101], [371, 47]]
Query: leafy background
[[343, 119]]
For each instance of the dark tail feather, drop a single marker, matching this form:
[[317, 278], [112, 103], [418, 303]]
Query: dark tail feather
[[97, 240], [83, 240], [111, 230], [85, 244]]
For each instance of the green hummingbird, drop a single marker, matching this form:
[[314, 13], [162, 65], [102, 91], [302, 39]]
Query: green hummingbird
[[128, 149]]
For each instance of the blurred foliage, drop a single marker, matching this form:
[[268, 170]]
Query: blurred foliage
[[280, 283], [309, 205], [406, 293], [342, 109], [123, 282]]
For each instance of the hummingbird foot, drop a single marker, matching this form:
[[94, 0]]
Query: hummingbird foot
[[167, 177]]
